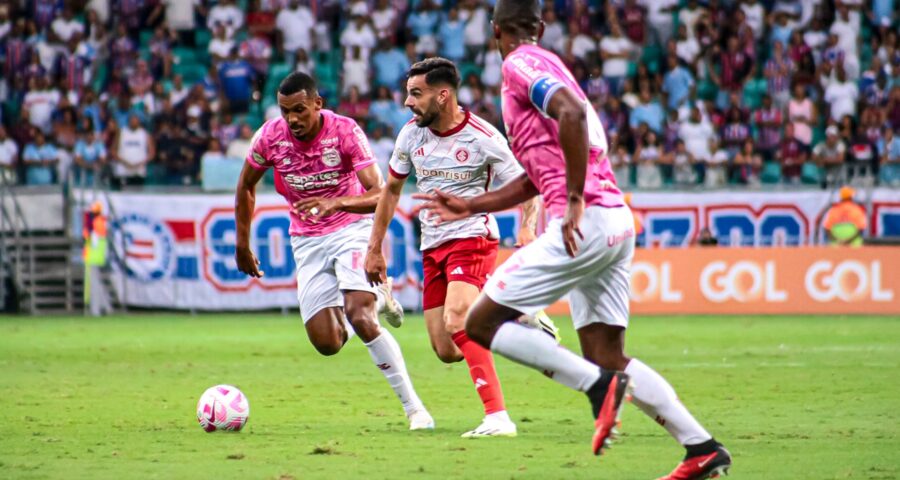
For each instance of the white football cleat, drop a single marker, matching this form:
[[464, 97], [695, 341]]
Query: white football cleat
[[420, 420], [392, 310], [492, 427], [542, 322]]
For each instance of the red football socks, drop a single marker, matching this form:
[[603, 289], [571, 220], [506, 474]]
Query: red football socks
[[484, 375]]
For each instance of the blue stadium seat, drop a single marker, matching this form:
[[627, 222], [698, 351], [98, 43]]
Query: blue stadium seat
[[771, 173], [810, 174], [220, 174]]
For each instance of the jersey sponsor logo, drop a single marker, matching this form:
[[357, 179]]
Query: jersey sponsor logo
[[420, 152], [457, 271], [445, 174], [363, 142], [259, 158], [461, 155], [523, 66], [331, 157], [282, 143], [402, 156], [329, 141], [314, 181]]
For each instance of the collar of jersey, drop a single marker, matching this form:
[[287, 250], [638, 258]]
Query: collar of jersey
[[454, 130]]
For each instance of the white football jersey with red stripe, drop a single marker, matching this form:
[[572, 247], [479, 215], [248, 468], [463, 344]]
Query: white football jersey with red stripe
[[463, 161]]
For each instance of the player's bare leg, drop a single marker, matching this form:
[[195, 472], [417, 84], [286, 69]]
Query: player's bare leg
[[446, 327], [360, 309], [326, 330], [490, 324], [605, 345]]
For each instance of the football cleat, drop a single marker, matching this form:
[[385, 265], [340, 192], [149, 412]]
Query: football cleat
[[700, 467], [607, 397], [420, 420], [392, 312], [492, 427], [542, 322]]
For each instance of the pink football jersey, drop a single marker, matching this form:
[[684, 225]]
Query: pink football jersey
[[531, 75], [323, 167]]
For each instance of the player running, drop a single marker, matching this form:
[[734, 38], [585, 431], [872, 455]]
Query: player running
[[452, 150], [325, 169], [585, 252]]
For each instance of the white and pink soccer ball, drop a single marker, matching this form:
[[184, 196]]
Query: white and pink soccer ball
[[223, 407]]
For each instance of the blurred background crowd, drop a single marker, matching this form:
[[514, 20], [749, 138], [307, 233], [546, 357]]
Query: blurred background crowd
[[693, 94]]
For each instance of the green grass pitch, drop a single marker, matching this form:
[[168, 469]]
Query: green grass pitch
[[791, 397]]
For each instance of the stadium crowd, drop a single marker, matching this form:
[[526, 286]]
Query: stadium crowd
[[692, 93]]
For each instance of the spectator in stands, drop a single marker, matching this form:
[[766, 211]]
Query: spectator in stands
[[476, 18], [889, 149], [634, 21], [40, 101], [356, 73], [236, 77], [66, 25], [678, 85], [802, 115], [240, 147], [792, 155], [382, 147], [451, 35], [40, 159], [735, 66], [175, 154], [734, 133], [90, 157], [9, 158], [620, 161], [862, 153], [683, 165], [649, 112], [699, 139], [225, 14], [615, 50], [390, 65], [687, 48], [554, 31], [179, 17], [295, 27], [492, 75], [355, 106], [304, 63], [647, 157], [841, 95], [213, 152], [384, 19], [768, 120], [845, 222], [747, 164], [358, 33], [706, 238], [659, 15], [225, 130], [220, 46], [778, 72], [830, 155], [134, 149]]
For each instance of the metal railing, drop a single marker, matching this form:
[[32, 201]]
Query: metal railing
[[18, 227]]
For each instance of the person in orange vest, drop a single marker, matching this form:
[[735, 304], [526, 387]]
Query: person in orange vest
[[845, 221], [95, 251]]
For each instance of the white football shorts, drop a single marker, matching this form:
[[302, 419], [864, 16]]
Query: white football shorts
[[596, 280], [330, 264]]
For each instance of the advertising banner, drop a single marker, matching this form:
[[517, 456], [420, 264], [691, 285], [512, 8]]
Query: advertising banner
[[177, 251]]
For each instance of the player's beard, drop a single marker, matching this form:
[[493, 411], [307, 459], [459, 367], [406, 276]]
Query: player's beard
[[427, 117]]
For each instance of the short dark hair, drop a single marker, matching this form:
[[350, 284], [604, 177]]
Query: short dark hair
[[298, 82], [522, 17], [437, 70]]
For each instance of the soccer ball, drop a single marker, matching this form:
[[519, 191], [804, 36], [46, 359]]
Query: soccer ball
[[223, 407]]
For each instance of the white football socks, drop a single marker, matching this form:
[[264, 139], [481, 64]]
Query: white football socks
[[385, 352], [653, 394], [534, 348]]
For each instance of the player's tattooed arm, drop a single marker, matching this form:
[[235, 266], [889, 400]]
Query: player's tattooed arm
[[571, 113], [376, 266], [314, 208], [528, 224], [445, 207], [244, 204]]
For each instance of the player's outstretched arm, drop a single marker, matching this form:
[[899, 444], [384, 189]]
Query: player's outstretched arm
[[376, 266], [316, 207], [244, 204], [571, 113], [446, 208]]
